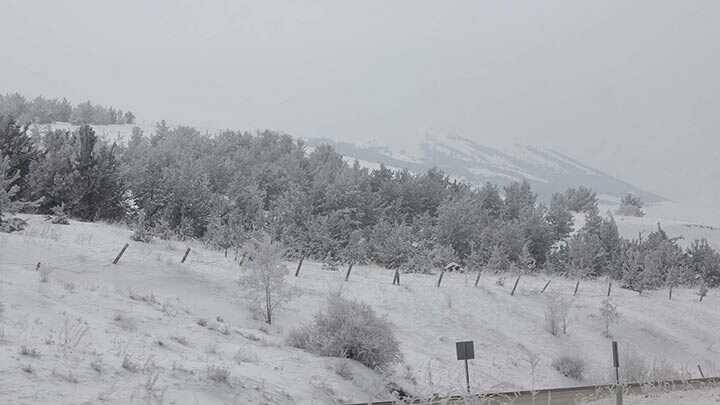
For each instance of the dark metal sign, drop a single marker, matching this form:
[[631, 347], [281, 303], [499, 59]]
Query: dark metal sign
[[465, 350]]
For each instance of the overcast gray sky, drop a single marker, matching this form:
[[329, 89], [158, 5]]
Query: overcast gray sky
[[630, 87]]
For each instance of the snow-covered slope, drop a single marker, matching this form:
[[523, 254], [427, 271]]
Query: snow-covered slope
[[546, 169], [146, 310]]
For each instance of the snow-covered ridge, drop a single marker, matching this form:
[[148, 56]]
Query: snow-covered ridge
[[546, 169]]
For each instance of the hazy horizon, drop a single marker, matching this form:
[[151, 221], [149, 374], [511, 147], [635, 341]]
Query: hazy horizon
[[629, 88]]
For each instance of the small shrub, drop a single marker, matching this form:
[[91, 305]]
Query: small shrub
[[343, 369], [141, 231], [609, 314], [124, 322], [570, 366], [67, 376], [635, 369], [221, 328], [72, 333], [352, 330], [245, 356], [97, 365], [29, 351], [130, 365], [180, 340], [218, 374], [557, 310], [58, 216]]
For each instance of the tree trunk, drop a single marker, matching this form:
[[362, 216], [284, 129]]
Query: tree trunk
[[609, 288], [347, 275], [297, 271], [242, 259], [477, 279], [670, 294], [577, 285]]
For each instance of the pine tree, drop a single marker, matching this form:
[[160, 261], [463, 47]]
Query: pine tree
[[499, 261], [631, 205], [18, 146], [7, 189], [559, 217]]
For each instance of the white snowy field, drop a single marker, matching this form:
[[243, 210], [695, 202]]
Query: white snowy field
[[682, 220], [129, 333], [705, 396]]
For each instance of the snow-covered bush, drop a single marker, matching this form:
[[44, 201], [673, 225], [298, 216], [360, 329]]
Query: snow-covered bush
[[570, 366], [557, 309], [610, 315], [634, 368], [141, 233], [218, 374], [352, 330], [265, 278], [58, 217]]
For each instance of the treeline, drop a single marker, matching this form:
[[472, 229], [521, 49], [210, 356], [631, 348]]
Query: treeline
[[42, 110], [230, 188]]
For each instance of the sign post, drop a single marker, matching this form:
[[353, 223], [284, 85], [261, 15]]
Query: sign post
[[465, 351], [616, 364]]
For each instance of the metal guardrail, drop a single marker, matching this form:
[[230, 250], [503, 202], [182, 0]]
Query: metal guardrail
[[510, 395]]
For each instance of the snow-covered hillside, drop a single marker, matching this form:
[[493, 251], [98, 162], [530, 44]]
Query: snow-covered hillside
[[151, 326]]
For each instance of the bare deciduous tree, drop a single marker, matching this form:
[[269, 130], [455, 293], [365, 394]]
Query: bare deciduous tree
[[265, 276]]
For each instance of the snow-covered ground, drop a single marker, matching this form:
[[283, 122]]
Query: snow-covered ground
[[708, 396], [677, 220], [79, 328]]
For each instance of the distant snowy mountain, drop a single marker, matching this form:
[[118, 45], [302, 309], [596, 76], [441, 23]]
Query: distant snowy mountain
[[546, 169]]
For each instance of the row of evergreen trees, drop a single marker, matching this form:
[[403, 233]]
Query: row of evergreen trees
[[229, 188], [42, 110]]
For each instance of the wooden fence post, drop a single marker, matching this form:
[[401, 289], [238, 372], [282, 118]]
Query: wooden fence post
[[117, 258], [187, 252], [546, 286], [517, 280], [616, 365], [297, 271], [577, 285], [442, 273]]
